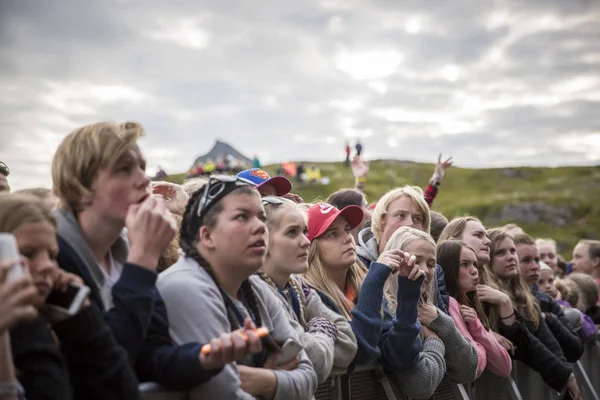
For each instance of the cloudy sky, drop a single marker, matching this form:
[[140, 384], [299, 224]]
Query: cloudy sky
[[491, 83]]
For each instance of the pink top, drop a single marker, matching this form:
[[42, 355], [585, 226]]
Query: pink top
[[490, 353]]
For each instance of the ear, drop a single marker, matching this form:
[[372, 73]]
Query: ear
[[86, 200], [596, 262], [206, 237]]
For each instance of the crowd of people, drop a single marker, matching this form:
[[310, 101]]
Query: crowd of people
[[234, 287]]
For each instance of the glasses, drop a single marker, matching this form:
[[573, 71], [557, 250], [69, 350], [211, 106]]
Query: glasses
[[215, 188], [4, 170], [272, 200]]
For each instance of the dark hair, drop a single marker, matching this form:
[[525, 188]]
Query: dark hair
[[346, 197], [188, 238], [438, 223], [448, 257]]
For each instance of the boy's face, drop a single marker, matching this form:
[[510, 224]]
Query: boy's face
[[117, 188]]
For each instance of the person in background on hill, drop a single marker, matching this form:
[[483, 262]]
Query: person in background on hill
[[547, 249], [313, 175], [347, 149], [359, 148], [399, 207], [300, 173], [256, 162], [438, 223], [552, 313], [267, 186], [4, 172]]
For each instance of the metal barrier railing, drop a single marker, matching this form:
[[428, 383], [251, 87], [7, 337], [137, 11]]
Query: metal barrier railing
[[372, 382]]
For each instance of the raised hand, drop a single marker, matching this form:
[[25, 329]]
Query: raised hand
[[441, 167], [427, 313], [360, 168], [490, 295], [392, 258], [150, 228], [175, 197]]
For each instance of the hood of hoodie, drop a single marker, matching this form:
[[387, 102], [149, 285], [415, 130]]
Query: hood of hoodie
[[367, 245]]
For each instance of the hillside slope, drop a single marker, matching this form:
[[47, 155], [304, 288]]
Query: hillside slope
[[561, 203]]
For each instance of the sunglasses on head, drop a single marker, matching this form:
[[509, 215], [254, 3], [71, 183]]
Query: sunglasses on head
[[213, 190], [272, 200], [4, 170]]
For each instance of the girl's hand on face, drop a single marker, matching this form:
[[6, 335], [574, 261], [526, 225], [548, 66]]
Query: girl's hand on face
[[392, 258]]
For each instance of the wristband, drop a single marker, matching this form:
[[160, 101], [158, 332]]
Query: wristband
[[508, 316], [11, 389]]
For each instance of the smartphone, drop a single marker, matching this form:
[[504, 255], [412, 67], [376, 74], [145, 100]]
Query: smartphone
[[289, 351], [9, 251], [568, 395], [69, 302]]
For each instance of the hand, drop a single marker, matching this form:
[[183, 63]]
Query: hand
[[271, 363], [441, 167], [259, 382], [151, 228], [230, 347], [360, 168], [574, 387], [174, 195], [427, 313], [468, 314], [489, 295], [392, 258], [16, 298], [428, 332], [504, 342]]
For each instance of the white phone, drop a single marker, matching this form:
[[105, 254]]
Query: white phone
[[68, 303], [9, 251], [289, 351]]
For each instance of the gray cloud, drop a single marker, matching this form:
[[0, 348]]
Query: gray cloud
[[516, 84]]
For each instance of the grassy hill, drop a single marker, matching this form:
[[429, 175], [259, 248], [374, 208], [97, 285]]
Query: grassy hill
[[561, 203]]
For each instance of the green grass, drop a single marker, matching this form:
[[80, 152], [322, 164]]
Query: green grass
[[482, 192]]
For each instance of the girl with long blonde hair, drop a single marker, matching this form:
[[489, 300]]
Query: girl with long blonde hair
[[348, 288]]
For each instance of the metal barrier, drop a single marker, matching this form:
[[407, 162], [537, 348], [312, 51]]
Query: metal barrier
[[372, 383]]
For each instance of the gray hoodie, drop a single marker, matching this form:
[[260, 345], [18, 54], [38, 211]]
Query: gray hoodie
[[197, 312]]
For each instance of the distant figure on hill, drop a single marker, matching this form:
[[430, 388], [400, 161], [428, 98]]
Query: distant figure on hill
[[313, 175], [347, 162], [358, 147], [160, 173], [256, 162], [300, 172]]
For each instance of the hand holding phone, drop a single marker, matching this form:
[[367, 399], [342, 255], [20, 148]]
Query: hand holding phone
[[9, 251]]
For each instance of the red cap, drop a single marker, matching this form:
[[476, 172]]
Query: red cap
[[322, 215]]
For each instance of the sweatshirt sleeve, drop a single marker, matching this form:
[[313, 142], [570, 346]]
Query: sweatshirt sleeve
[[400, 342], [98, 366], [532, 352], [545, 336], [367, 316], [462, 327], [344, 345], [162, 361], [461, 356], [498, 359], [132, 308], [197, 314], [422, 379], [301, 382]]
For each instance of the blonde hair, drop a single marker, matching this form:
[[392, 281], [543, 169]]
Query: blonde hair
[[569, 291], [317, 277], [84, 152], [456, 228], [544, 241], [516, 288], [593, 247], [19, 209], [588, 290], [274, 212], [415, 193], [401, 238], [193, 184]]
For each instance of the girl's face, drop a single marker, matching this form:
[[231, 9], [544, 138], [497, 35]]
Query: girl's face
[[337, 248], [548, 255], [240, 237], [288, 244], [476, 237], [468, 275], [582, 262], [37, 242], [425, 254], [547, 284], [505, 262]]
